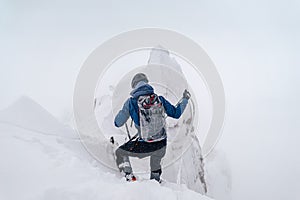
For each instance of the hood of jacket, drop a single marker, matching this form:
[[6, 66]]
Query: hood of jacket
[[142, 88]]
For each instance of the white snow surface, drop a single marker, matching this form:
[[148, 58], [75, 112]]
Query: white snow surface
[[43, 159]]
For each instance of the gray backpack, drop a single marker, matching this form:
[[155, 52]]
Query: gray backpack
[[152, 118]]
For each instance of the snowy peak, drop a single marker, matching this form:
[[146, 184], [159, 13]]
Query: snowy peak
[[160, 55], [28, 114]]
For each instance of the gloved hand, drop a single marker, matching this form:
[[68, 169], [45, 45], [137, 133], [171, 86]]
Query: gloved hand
[[186, 94]]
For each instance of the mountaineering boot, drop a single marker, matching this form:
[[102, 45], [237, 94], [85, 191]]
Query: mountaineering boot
[[156, 175], [130, 177], [125, 166]]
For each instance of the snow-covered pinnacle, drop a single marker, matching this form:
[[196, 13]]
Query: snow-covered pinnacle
[[160, 55]]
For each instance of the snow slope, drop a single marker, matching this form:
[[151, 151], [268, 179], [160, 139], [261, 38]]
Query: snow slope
[[43, 159]]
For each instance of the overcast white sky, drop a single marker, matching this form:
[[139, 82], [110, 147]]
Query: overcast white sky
[[254, 44]]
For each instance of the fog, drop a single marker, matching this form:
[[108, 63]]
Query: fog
[[255, 46]]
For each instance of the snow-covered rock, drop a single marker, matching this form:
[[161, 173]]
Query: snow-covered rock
[[183, 163]]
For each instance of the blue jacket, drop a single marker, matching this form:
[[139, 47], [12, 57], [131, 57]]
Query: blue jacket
[[130, 107]]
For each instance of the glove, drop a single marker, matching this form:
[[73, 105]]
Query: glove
[[186, 94]]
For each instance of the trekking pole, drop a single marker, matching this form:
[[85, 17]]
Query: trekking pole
[[180, 100], [127, 131]]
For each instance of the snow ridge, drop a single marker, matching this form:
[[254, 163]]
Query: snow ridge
[[41, 166]]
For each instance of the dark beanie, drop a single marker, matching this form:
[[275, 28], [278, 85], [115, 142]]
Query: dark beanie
[[137, 78]]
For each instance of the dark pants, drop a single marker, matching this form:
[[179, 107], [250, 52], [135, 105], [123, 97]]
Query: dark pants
[[141, 149]]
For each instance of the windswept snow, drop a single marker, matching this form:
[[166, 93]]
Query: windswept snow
[[23, 114], [43, 159]]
